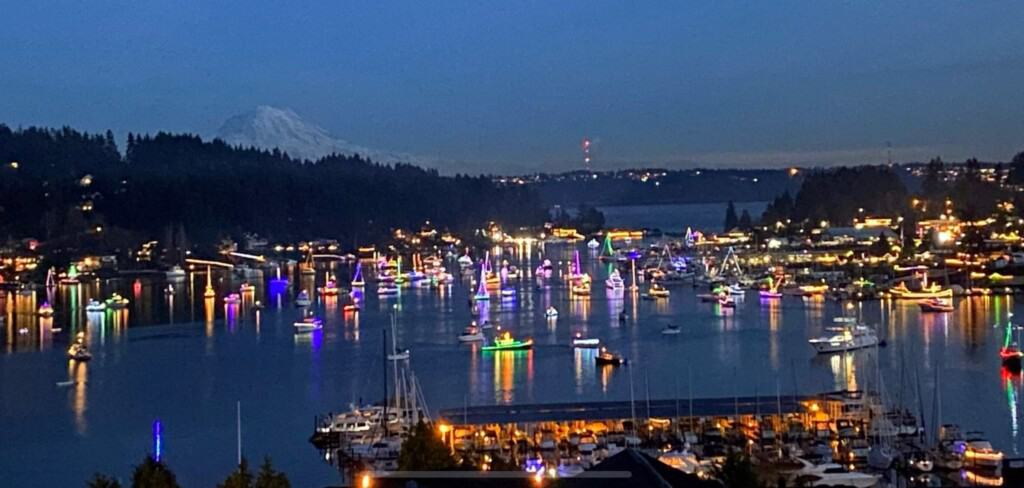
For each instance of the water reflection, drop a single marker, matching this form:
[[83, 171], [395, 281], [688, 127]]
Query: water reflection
[[511, 368], [78, 373]]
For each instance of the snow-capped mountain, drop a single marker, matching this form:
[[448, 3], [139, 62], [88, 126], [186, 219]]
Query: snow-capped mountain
[[270, 127]]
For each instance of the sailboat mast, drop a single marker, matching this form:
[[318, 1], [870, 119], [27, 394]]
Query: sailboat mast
[[384, 350]]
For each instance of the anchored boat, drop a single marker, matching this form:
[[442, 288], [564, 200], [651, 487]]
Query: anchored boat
[[505, 342]]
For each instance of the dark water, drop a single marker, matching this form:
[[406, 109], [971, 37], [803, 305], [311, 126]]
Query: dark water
[[189, 372], [708, 217]]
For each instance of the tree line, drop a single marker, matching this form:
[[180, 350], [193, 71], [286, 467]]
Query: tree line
[[62, 183]]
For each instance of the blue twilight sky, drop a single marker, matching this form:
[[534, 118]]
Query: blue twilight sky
[[516, 84]]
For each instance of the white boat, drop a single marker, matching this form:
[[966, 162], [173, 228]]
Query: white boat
[[399, 355], [308, 323], [387, 289], [585, 342], [831, 474], [850, 336], [95, 306], [78, 351], [593, 244], [615, 282], [471, 334], [684, 461], [508, 292], [302, 299], [175, 273], [465, 261], [672, 329], [117, 302], [551, 312], [736, 290]]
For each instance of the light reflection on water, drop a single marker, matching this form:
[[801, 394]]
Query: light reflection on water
[[191, 373]]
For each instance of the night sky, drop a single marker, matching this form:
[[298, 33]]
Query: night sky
[[516, 85]]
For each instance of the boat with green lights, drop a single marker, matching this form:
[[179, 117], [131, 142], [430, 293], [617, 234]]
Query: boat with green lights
[[505, 342]]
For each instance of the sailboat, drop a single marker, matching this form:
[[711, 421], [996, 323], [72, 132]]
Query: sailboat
[[396, 354], [772, 292], [481, 291], [357, 279], [1010, 354], [307, 268]]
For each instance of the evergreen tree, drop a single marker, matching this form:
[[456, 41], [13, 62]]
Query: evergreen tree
[[100, 480], [1017, 169], [153, 474], [731, 221], [745, 222], [423, 450], [268, 477], [240, 478], [737, 472]]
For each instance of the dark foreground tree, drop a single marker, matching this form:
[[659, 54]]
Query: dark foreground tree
[[423, 450], [100, 480], [731, 220], [153, 474], [737, 472], [239, 478], [268, 477]]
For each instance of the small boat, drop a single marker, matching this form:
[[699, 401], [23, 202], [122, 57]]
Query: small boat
[[671, 329], [831, 474], [465, 261], [45, 310], [551, 312], [78, 351], [175, 273], [726, 301], [615, 282], [606, 358], [350, 307], [657, 291], [585, 342], [258, 305], [169, 290], [582, 288], [769, 295], [399, 355], [736, 290], [307, 268], [232, 299], [247, 288], [1010, 354], [330, 288], [979, 453], [117, 302], [309, 323], [851, 336], [592, 244], [508, 292], [938, 305], [505, 342], [386, 289], [471, 333], [209, 292], [302, 299], [95, 306], [357, 279]]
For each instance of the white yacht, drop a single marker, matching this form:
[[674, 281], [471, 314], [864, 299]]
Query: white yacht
[[615, 282], [849, 336], [302, 299], [95, 306], [175, 273], [830, 474]]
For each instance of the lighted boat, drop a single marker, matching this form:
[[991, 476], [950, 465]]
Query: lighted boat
[[671, 329], [117, 302], [850, 336], [350, 307], [585, 342], [769, 295], [927, 292], [302, 299], [169, 290], [95, 306], [938, 305], [615, 282], [979, 453], [736, 290], [209, 292], [471, 333], [606, 358], [70, 277], [551, 312], [78, 351], [1010, 354], [481, 292], [726, 301], [309, 323], [581, 288], [465, 261], [387, 289], [307, 268], [330, 288], [45, 310], [247, 288], [813, 290], [508, 292], [175, 273], [592, 244], [658, 291], [831, 474], [357, 278], [232, 299], [505, 342]]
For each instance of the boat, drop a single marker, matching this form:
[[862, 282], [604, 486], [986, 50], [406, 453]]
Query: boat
[[209, 292], [357, 278], [117, 302], [330, 288], [657, 291], [851, 336], [396, 354], [78, 351], [607, 358], [585, 342], [232, 299], [671, 329], [95, 306], [175, 273], [302, 299], [481, 291], [307, 324], [1010, 354], [726, 301], [927, 292], [399, 355], [938, 305], [307, 268], [505, 342], [615, 282], [508, 292], [979, 453], [831, 474], [45, 310], [581, 287], [386, 289], [169, 290], [465, 261], [350, 307], [551, 312], [592, 244], [736, 290], [769, 295], [471, 333], [247, 288]]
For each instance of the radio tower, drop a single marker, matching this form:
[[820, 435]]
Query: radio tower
[[586, 153]]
